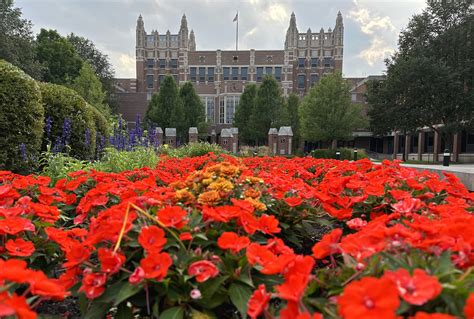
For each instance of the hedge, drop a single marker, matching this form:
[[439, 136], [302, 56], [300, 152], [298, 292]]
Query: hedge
[[346, 153], [21, 118], [63, 104]]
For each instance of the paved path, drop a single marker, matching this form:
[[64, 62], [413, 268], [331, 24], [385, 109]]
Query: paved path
[[465, 172]]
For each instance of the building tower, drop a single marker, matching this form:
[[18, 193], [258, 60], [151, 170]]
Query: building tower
[[140, 53], [291, 40], [183, 33], [338, 41]]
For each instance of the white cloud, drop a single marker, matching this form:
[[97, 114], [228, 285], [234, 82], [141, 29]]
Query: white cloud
[[276, 13], [124, 65], [381, 31]]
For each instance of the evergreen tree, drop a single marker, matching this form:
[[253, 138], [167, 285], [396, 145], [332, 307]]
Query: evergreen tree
[[292, 106], [58, 56], [269, 110], [193, 108], [164, 109], [17, 43], [88, 85], [243, 113], [327, 113]]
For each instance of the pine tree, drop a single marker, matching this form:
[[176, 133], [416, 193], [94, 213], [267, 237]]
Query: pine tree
[[244, 111], [163, 109], [292, 106], [193, 108]]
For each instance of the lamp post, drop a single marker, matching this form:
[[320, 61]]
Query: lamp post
[[355, 154], [446, 157]]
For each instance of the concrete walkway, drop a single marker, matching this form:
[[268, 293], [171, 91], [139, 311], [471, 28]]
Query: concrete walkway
[[465, 172]]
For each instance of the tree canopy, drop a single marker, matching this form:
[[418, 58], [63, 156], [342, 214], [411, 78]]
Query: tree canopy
[[292, 107], [327, 113], [194, 114], [244, 111]]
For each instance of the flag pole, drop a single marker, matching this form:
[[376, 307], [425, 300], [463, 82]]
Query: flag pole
[[237, 34]]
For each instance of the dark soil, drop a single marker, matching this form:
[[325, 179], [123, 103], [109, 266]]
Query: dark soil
[[66, 309]]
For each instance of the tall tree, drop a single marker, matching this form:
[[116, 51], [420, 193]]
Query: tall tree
[[269, 110], [243, 113], [88, 85], [58, 56], [17, 44], [292, 106], [194, 114], [165, 108], [327, 114]]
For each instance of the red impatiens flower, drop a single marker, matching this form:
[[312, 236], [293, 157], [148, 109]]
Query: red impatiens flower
[[369, 298], [356, 223], [110, 261], [469, 307], [407, 205], [14, 225], [328, 244], [156, 265], [203, 270], [268, 224], [93, 284], [425, 315], [152, 238], [137, 276], [20, 247], [417, 289], [15, 305], [173, 216], [293, 201], [258, 302], [232, 241], [185, 236]]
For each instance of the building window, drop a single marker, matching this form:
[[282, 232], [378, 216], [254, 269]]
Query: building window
[[202, 74], [467, 142], [429, 142], [235, 73], [192, 72], [150, 63], [208, 102], [327, 62], [226, 73], [314, 62], [161, 78], [149, 81], [314, 79], [259, 74], [230, 106], [243, 74], [175, 77], [150, 40], [414, 144], [278, 73], [221, 110], [301, 62], [174, 63], [210, 76], [162, 63], [301, 81], [269, 70]]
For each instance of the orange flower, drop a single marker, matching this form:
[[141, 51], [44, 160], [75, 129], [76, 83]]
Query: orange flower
[[203, 270], [173, 216], [210, 198], [152, 238], [230, 240], [369, 298], [156, 265], [417, 289], [328, 244], [258, 302], [20, 247]]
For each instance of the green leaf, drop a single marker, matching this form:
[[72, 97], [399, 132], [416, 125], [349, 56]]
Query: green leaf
[[125, 292], [173, 313], [239, 295], [124, 312], [97, 310], [210, 287]]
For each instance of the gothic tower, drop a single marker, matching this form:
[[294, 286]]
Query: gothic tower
[[291, 40], [183, 33]]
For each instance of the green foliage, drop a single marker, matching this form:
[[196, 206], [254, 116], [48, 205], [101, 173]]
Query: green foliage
[[118, 161], [58, 165], [269, 110], [192, 150], [165, 108], [17, 44], [61, 103], [194, 112], [346, 153], [21, 117], [62, 63], [292, 106], [244, 111], [327, 113], [88, 85]]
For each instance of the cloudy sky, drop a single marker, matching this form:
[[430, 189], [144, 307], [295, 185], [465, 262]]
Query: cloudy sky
[[370, 35]]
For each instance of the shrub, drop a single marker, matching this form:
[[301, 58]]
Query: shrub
[[71, 121], [114, 160], [21, 118], [102, 130], [346, 153], [192, 150]]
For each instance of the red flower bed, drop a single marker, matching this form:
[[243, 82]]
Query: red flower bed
[[263, 237]]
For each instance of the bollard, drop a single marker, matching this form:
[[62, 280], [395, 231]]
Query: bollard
[[355, 154], [446, 157], [338, 155]]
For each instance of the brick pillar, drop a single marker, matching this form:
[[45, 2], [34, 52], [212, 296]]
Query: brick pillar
[[273, 140], [225, 140], [285, 136], [395, 145], [456, 147], [170, 136], [193, 135], [235, 139], [421, 144], [437, 146], [407, 145], [159, 136], [213, 137], [334, 144]]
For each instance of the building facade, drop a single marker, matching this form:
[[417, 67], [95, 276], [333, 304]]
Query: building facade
[[220, 76]]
